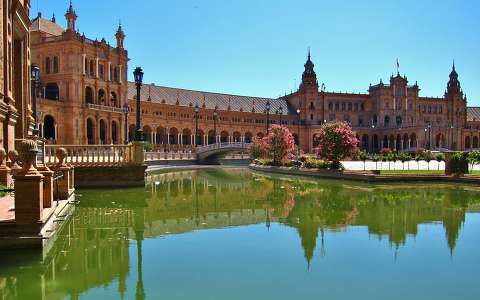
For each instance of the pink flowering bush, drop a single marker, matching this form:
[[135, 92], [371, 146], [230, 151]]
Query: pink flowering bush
[[278, 145], [335, 142]]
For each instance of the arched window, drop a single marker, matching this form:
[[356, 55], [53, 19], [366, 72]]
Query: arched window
[[386, 121], [113, 99], [374, 120], [52, 92], [100, 71], [399, 121], [92, 68], [49, 128], [90, 132], [330, 106], [114, 132], [248, 137], [103, 132], [55, 64], [47, 65], [101, 96], [88, 95]]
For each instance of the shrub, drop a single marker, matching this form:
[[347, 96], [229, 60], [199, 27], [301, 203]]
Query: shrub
[[473, 158], [376, 158], [147, 146], [428, 156], [335, 142], [288, 163], [256, 151], [404, 157], [460, 163], [439, 158], [277, 145], [363, 155], [266, 162], [312, 163]]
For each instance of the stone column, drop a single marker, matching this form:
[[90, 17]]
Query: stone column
[[65, 185], [84, 70], [138, 157], [28, 186]]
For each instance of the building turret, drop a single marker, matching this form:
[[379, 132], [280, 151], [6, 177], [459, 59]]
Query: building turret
[[120, 36], [71, 17], [453, 85], [309, 78]]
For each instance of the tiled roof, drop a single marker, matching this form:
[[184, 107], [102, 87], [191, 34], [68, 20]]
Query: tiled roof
[[473, 114], [44, 25], [182, 97]]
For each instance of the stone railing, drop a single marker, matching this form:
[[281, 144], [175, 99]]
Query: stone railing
[[91, 155], [105, 108], [236, 145], [170, 155]]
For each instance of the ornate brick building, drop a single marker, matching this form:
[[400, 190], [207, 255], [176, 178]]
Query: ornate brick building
[[85, 91], [84, 83], [15, 104]]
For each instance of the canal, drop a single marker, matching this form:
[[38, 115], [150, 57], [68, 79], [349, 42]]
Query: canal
[[234, 234]]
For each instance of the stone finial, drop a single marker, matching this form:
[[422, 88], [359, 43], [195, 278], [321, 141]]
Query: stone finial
[[27, 153], [3, 156], [13, 157], [61, 154]]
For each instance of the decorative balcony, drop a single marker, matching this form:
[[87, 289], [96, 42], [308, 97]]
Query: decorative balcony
[[105, 108]]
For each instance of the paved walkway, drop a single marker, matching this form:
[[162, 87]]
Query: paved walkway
[[5, 204]]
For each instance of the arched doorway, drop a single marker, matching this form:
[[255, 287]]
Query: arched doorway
[[90, 132], [147, 134], [103, 132], [365, 142], [186, 136], [385, 141], [236, 137], [413, 140], [200, 139], [475, 142], [101, 97], [173, 136], [49, 128], [131, 132], [467, 143], [223, 137], [405, 142], [375, 143], [211, 137], [114, 132], [398, 142], [248, 137], [161, 136]]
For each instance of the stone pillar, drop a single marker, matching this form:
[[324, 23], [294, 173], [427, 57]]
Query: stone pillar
[[65, 184], [138, 157], [28, 186], [5, 176]]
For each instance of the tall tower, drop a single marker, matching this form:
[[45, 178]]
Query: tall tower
[[71, 17], [457, 108], [120, 36], [309, 78]]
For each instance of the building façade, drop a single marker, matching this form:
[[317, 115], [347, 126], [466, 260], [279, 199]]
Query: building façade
[[86, 99]]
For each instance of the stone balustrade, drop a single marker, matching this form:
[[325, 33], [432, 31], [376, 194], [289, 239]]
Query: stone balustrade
[[91, 155]]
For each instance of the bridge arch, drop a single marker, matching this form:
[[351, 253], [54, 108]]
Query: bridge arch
[[224, 136]]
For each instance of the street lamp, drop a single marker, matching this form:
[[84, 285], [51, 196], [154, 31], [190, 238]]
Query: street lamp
[[280, 110], [429, 136], [267, 111], [125, 110], [138, 74], [215, 117], [35, 78], [298, 133], [197, 110], [451, 137]]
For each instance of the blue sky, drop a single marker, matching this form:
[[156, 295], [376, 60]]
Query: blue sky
[[255, 47]]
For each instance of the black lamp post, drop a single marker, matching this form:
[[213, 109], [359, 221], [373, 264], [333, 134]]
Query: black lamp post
[[280, 110], [125, 110], [429, 136], [138, 74], [267, 111], [215, 117], [197, 110], [451, 137], [35, 78]]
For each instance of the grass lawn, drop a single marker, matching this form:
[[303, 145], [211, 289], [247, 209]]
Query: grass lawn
[[428, 172]]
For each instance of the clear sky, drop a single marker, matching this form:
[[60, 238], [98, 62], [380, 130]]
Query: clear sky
[[258, 47]]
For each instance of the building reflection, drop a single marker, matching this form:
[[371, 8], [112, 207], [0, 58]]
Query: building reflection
[[92, 250]]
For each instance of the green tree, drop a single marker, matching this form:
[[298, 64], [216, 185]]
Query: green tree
[[404, 157], [376, 158]]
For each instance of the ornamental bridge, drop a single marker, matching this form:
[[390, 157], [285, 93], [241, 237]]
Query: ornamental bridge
[[210, 154]]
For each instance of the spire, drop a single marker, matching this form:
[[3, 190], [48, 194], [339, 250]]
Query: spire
[[453, 85], [120, 35], [309, 78], [71, 17], [53, 18]]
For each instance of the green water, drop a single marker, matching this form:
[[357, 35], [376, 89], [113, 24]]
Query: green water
[[233, 234]]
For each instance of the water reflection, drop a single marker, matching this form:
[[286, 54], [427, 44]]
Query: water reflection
[[102, 243]]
